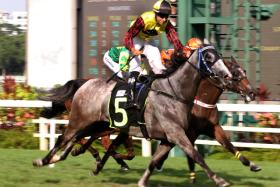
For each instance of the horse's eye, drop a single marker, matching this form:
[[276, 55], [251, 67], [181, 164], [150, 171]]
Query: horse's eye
[[209, 57]]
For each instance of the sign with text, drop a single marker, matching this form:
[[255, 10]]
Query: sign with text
[[104, 24]]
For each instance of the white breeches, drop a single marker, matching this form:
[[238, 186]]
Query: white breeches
[[113, 66], [151, 52]]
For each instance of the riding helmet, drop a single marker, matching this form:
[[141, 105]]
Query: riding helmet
[[162, 7], [194, 43]]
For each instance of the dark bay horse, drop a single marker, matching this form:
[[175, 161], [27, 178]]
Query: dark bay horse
[[166, 118], [205, 116]]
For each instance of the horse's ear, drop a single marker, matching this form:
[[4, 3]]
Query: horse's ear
[[206, 41], [233, 60]]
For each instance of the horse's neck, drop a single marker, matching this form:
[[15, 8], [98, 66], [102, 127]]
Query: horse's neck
[[187, 78], [208, 93], [183, 82]]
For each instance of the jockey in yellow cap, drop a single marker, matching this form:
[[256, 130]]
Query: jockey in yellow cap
[[139, 38], [141, 33]]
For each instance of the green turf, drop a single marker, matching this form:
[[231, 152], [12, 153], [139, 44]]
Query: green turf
[[16, 170]]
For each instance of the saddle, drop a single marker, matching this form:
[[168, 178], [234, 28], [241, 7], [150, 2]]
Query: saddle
[[120, 116]]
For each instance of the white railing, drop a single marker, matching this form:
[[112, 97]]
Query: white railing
[[243, 144], [48, 135]]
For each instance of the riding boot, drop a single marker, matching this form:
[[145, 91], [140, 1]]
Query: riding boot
[[131, 103]]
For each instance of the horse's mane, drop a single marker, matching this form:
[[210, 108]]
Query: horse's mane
[[177, 59]]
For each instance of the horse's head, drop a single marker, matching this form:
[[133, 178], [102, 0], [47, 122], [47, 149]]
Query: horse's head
[[210, 64], [239, 82]]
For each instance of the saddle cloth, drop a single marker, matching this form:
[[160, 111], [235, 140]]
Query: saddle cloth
[[120, 117]]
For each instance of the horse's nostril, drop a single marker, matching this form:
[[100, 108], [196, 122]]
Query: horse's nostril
[[227, 77]]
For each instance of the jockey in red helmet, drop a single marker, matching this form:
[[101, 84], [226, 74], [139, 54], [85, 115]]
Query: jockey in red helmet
[[192, 44]]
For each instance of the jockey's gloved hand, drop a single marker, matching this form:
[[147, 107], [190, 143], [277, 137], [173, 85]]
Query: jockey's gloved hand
[[143, 78], [133, 76]]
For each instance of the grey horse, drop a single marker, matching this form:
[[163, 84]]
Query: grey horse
[[166, 118]]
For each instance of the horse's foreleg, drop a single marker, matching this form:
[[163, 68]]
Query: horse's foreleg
[[220, 136], [160, 162], [113, 146], [94, 153], [192, 135], [159, 156], [191, 164], [184, 143]]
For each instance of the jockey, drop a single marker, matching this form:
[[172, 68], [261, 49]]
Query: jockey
[[144, 28], [192, 44], [140, 36], [117, 60]]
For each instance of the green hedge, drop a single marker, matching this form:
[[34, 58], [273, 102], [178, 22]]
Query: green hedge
[[18, 138]]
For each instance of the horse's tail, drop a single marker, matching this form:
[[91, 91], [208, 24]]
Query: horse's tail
[[58, 96]]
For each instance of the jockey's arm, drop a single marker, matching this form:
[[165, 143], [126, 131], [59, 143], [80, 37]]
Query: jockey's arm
[[172, 36], [131, 33]]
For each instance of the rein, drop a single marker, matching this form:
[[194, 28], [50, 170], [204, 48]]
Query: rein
[[184, 101]]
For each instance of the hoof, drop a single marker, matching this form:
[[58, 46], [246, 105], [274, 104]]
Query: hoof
[[38, 163], [220, 181], [141, 184], [193, 181], [255, 168], [223, 184], [97, 169], [125, 168], [94, 173], [75, 152], [192, 177]]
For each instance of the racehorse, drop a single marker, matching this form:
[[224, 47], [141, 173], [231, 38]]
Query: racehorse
[[61, 98], [205, 116], [89, 113], [205, 104], [204, 119]]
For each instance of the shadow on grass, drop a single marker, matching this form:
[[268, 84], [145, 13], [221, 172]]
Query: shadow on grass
[[179, 178]]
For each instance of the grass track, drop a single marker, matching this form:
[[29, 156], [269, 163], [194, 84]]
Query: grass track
[[16, 170]]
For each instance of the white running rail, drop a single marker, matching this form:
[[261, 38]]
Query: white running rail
[[48, 135]]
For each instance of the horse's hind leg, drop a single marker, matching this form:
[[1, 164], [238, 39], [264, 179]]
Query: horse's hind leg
[[221, 137], [67, 139], [158, 157], [85, 144], [128, 143], [51, 157]]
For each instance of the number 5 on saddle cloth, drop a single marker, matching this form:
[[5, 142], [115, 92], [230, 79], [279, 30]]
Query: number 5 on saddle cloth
[[120, 117]]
